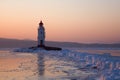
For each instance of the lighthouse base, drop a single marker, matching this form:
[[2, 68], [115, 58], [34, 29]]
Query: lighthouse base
[[52, 48], [46, 48], [41, 46]]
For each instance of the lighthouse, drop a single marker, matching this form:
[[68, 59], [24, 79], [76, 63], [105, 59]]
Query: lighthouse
[[41, 41], [41, 35]]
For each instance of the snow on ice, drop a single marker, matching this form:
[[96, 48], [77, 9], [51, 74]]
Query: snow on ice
[[105, 66]]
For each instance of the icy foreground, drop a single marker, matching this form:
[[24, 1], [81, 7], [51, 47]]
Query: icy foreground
[[105, 66]]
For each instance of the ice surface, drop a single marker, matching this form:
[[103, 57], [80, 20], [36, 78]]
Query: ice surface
[[105, 66]]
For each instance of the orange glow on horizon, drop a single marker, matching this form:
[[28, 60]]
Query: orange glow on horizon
[[68, 20]]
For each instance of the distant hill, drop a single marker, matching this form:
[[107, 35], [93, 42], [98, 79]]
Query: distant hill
[[15, 43]]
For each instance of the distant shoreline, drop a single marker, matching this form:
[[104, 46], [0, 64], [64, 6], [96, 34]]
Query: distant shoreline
[[13, 43]]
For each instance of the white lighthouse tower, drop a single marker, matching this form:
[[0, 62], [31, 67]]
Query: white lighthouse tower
[[41, 35]]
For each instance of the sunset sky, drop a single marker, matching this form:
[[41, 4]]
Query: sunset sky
[[84, 21]]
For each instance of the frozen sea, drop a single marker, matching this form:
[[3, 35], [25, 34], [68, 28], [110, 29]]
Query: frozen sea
[[68, 64]]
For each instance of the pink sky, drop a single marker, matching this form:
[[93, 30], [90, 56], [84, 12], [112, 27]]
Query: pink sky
[[64, 20]]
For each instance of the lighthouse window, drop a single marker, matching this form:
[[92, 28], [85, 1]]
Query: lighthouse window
[[41, 32]]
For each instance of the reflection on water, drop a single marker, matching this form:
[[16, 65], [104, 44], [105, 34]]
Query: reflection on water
[[54, 65], [41, 65], [17, 66]]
